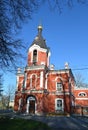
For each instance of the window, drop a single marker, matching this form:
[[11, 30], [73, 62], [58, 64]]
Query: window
[[82, 94], [85, 109], [59, 104], [34, 56], [59, 87]]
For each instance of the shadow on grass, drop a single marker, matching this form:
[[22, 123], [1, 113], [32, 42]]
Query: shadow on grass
[[21, 124]]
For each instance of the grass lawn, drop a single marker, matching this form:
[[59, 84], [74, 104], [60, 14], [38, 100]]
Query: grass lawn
[[21, 124]]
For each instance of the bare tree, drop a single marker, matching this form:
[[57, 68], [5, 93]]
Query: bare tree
[[9, 94], [1, 84], [1, 89], [80, 80], [12, 14], [61, 4]]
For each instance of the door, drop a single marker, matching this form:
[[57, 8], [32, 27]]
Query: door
[[32, 106]]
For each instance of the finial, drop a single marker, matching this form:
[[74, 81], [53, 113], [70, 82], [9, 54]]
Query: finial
[[66, 65], [40, 28], [19, 70]]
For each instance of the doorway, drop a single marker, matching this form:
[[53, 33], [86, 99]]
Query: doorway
[[31, 105]]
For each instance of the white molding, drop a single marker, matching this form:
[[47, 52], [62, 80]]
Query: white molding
[[81, 88], [81, 98], [34, 91], [33, 74], [59, 72], [35, 67], [82, 92], [61, 93], [61, 87], [59, 77], [37, 48]]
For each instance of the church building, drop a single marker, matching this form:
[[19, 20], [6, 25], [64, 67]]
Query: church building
[[40, 88]]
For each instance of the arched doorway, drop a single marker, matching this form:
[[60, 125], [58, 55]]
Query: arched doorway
[[31, 105]]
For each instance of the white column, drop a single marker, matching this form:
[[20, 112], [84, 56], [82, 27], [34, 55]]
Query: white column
[[46, 81], [41, 79], [27, 107], [35, 108], [17, 81], [19, 104], [25, 80], [46, 84], [48, 59]]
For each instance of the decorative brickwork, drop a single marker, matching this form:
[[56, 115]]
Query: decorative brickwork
[[43, 90]]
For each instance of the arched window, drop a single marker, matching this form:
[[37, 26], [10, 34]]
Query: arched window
[[82, 94], [33, 81], [34, 57]]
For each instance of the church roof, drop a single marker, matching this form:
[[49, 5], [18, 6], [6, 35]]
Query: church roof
[[39, 40]]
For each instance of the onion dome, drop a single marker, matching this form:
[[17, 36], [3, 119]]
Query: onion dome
[[39, 40]]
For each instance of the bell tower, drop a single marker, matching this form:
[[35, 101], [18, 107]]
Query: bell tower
[[38, 53]]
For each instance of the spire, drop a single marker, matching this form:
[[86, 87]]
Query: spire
[[39, 40], [40, 29]]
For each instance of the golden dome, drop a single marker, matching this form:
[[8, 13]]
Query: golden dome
[[39, 27]]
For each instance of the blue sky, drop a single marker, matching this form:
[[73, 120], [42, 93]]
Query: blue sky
[[66, 34]]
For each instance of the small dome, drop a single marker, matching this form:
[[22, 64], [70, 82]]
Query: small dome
[[40, 27]]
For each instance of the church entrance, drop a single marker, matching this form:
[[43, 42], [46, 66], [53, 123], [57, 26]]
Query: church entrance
[[31, 105]]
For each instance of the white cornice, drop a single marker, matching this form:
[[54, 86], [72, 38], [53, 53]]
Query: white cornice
[[81, 98], [58, 71], [35, 67], [34, 91], [20, 74], [81, 88]]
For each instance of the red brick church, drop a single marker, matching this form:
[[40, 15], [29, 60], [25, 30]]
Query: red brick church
[[40, 88]]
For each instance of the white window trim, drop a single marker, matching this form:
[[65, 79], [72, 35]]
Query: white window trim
[[37, 48], [28, 104], [32, 55], [61, 88], [82, 92], [56, 104]]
